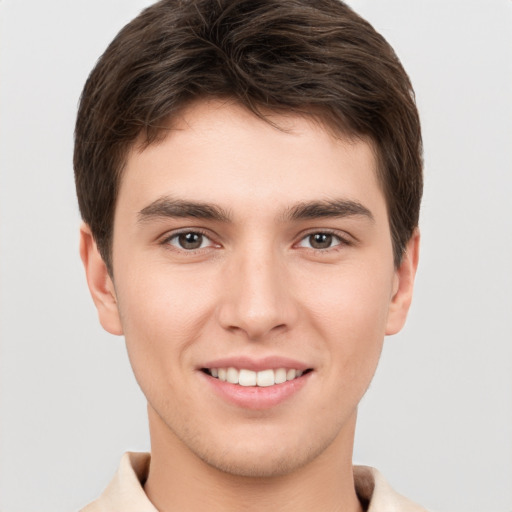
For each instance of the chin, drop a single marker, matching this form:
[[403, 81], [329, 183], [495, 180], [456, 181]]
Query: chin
[[262, 460], [257, 466]]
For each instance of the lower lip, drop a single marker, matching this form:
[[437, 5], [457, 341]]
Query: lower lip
[[254, 397]]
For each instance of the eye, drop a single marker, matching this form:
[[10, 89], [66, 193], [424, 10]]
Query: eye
[[320, 241], [189, 240]]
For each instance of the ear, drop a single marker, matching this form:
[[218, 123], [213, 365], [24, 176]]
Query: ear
[[403, 285], [100, 283]]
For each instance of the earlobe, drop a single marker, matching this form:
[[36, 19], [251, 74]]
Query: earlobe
[[403, 286], [100, 283]]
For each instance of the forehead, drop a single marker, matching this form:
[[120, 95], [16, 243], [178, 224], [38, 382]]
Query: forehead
[[219, 151]]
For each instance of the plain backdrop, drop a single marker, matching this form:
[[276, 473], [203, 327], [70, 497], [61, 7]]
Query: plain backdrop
[[437, 420]]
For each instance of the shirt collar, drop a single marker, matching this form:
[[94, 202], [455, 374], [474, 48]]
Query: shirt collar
[[125, 492]]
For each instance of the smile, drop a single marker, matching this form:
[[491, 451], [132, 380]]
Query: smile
[[250, 378]]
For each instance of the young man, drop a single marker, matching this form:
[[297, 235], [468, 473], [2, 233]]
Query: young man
[[249, 175]]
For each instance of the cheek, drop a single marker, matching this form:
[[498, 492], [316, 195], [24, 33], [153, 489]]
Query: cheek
[[161, 317], [353, 298], [350, 312]]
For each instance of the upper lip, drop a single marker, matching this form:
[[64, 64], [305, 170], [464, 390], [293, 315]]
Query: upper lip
[[256, 364]]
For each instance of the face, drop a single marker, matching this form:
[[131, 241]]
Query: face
[[254, 283]]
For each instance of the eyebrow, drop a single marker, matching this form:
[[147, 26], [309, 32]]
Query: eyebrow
[[335, 208], [169, 207]]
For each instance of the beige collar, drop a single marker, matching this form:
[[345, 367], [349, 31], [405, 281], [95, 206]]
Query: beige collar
[[125, 491]]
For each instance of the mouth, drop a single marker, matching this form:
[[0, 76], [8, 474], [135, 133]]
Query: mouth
[[249, 378]]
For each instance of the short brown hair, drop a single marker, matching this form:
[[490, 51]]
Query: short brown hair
[[279, 55]]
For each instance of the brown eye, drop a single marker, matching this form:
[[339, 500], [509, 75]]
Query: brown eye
[[189, 241], [320, 241]]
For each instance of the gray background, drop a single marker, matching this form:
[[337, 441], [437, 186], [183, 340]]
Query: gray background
[[438, 418]]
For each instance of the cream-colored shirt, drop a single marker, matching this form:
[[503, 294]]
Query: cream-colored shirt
[[125, 492]]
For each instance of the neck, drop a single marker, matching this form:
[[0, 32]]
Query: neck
[[178, 480]]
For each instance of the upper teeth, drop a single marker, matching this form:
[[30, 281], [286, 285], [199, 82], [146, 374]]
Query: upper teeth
[[249, 378]]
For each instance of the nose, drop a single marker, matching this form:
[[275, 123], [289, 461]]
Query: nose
[[258, 297]]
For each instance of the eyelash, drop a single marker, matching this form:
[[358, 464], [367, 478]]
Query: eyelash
[[342, 241], [167, 240]]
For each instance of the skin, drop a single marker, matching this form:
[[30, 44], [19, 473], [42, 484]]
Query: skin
[[258, 286]]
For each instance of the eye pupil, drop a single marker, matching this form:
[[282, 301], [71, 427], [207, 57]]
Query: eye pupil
[[190, 240], [320, 240]]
